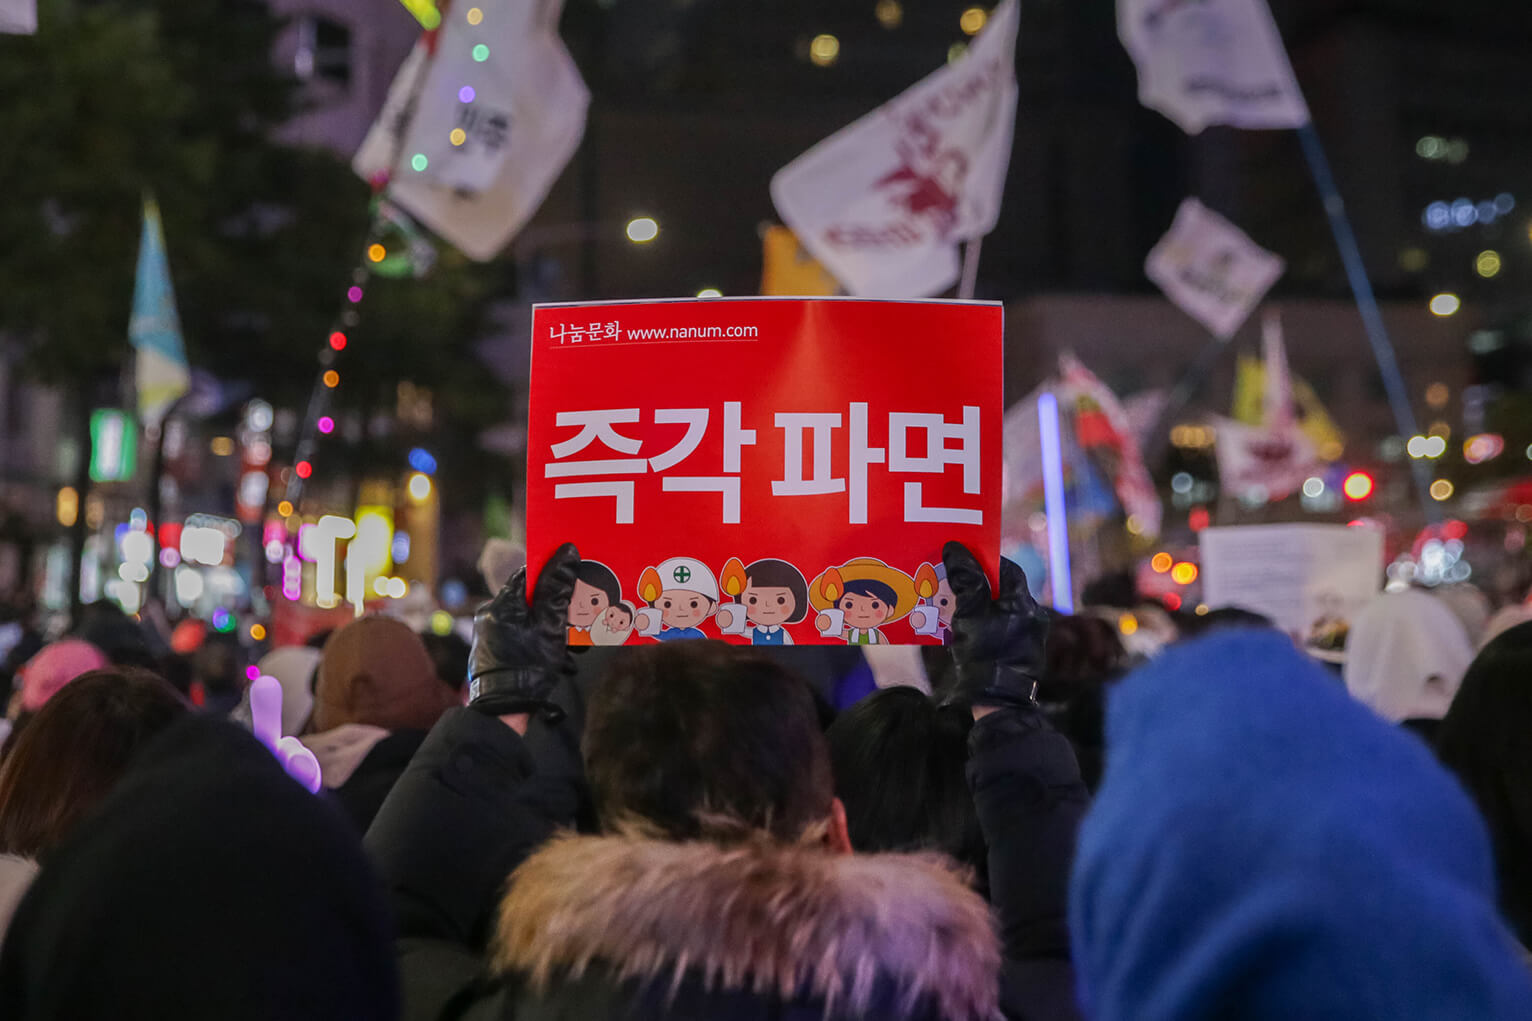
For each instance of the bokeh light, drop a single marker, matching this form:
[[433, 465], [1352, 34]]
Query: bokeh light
[[643, 229], [824, 50], [326, 424], [1160, 562], [338, 341], [331, 378], [1184, 573], [1445, 304], [972, 20]]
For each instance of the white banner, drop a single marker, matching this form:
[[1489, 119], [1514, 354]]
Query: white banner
[[1204, 62], [489, 136], [18, 17], [1311, 580], [884, 201], [1211, 268]]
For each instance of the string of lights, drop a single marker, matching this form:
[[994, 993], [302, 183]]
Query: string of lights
[[317, 420]]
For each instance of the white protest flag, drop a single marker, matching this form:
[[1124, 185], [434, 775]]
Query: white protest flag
[[1272, 459], [500, 111], [1204, 62], [18, 17], [1211, 268], [884, 201]]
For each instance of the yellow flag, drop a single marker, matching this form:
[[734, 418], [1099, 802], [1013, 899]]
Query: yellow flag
[[1249, 390], [1248, 407], [788, 269]]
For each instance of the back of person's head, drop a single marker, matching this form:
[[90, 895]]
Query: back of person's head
[[702, 739], [1486, 739], [1405, 656], [898, 760], [123, 639], [208, 884], [377, 671], [1263, 846], [1083, 651], [1224, 617], [74, 750], [450, 654]]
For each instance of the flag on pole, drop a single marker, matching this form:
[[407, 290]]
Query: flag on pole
[[1204, 62], [1101, 428], [160, 369], [786, 269], [498, 113], [884, 201], [18, 17], [1250, 400], [1211, 268], [1272, 459]]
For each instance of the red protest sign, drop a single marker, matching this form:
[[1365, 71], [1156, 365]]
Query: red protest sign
[[766, 470]]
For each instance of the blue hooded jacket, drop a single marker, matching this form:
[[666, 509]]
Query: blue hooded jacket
[[1263, 846]]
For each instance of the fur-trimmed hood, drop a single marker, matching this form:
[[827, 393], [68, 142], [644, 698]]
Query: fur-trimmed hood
[[776, 920]]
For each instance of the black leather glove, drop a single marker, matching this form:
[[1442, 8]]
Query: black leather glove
[[997, 645], [520, 651]]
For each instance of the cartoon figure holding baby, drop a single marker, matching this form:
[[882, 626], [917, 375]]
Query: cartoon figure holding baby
[[597, 613], [859, 597]]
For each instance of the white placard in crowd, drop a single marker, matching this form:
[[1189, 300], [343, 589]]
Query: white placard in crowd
[[1309, 579], [1211, 268], [18, 17], [883, 202], [1204, 62], [488, 137]]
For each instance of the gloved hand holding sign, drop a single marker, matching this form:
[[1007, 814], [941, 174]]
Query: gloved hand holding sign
[[266, 724], [521, 650], [997, 645]]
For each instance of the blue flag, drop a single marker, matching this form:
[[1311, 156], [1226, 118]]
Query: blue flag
[[155, 330]]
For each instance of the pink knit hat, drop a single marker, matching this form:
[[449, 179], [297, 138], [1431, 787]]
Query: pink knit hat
[[55, 666]]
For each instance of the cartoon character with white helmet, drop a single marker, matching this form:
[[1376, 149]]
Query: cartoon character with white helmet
[[681, 593]]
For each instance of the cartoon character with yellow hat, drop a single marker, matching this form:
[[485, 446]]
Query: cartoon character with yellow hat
[[859, 597]]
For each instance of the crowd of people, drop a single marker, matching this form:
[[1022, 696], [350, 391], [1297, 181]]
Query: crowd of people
[[1045, 820]]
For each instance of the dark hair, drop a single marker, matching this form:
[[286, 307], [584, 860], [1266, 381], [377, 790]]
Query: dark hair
[[1485, 740], [597, 575], [450, 654], [898, 760], [781, 574], [705, 740], [1082, 651], [873, 589], [73, 752]]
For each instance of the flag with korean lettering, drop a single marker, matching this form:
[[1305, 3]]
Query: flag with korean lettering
[[884, 201], [1203, 62], [498, 111], [770, 471], [18, 17], [1211, 268]]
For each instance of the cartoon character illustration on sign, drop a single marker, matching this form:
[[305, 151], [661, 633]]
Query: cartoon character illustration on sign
[[771, 593], [615, 625], [596, 590], [859, 597], [932, 616], [681, 593]]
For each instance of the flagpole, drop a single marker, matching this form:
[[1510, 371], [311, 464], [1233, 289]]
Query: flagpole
[[1367, 305], [970, 268]]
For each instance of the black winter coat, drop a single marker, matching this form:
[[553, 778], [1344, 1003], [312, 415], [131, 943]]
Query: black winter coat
[[621, 926]]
